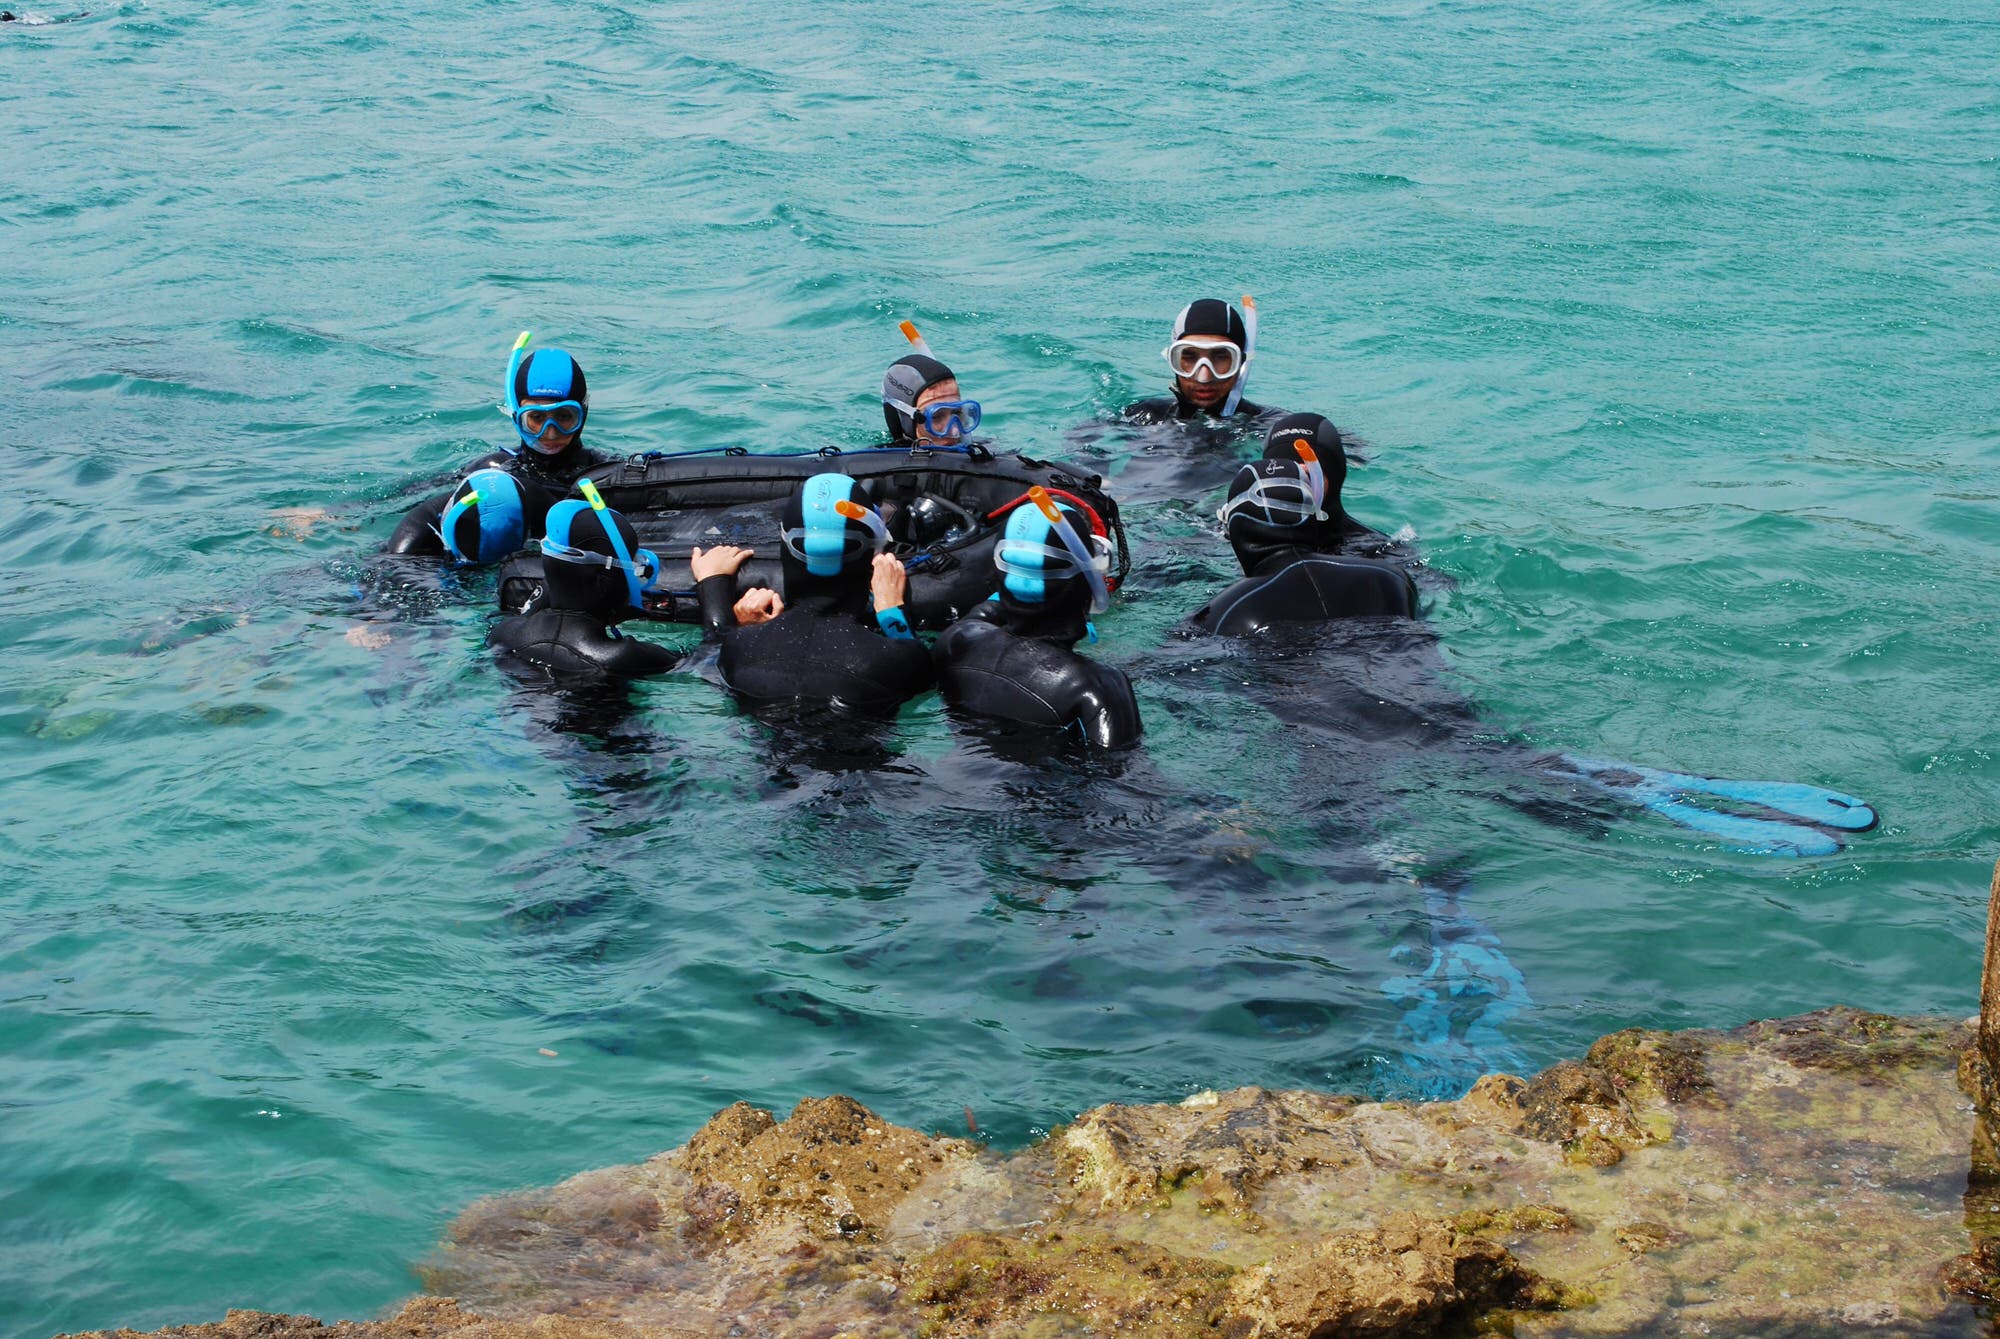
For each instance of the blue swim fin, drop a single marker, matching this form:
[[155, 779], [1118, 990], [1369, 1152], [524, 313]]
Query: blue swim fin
[[1666, 793], [1457, 1000]]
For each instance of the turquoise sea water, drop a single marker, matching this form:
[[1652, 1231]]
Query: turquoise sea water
[[1673, 329]]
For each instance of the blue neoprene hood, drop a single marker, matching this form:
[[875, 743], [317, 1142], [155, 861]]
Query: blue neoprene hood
[[826, 529], [1030, 526], [495, 499]]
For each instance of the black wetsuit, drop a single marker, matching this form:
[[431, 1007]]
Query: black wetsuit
[[572, 644], [417, 532], [1300, 586], [568, 632], [824, 648], [1167, 449], [1177, 408], [1015, 662]]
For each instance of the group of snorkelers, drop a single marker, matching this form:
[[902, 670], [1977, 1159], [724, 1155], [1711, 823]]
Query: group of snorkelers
[[838, 633]]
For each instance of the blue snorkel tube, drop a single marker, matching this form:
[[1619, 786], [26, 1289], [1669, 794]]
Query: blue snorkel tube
[[512, 409], [1100, 591], [604, 518], [1249, 349]]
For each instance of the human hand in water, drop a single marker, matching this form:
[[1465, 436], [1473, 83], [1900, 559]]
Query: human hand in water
[[890, 582], [759, 605], [721, 561]]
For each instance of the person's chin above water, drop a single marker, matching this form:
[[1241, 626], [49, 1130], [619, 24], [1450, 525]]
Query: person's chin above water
[[1203, 390]]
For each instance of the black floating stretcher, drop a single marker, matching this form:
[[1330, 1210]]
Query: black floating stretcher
[[945, 508]]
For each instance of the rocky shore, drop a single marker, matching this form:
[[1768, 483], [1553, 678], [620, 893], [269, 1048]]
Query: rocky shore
[[1827, 1174]]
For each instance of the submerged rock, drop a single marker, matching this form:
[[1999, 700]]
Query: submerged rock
[[1408, 1277], [1821, 1175]]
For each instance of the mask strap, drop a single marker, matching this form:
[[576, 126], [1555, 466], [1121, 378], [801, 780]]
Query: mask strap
[[606, 518]]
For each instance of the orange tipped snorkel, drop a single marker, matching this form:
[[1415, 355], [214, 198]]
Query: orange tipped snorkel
[[1315, 477], [917, 342], [854, 511], [1100, 593]]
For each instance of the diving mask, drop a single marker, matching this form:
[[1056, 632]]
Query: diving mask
[[947, 419], [1187, 357], [1285, 499], [565, 416]]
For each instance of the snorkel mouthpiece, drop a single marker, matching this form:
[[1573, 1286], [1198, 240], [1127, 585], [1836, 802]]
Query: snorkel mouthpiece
[[1100, 593]]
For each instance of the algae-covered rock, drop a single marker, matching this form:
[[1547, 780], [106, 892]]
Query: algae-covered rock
[[1579, 1106], [1869, 1048], [1814, 1176], [1517, 1221], [1410, 1276], [986, 1284], [1643, 1238], [1655, 1066], [423, 1318], [834, 1167], [1224, 1144]]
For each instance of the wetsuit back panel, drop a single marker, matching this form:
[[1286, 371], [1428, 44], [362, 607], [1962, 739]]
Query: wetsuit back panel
[[803, 656], [1309, 588], [571, 645], [986, 669]]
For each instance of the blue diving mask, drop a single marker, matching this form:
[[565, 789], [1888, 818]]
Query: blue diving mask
[[537, 418], [947, 419]]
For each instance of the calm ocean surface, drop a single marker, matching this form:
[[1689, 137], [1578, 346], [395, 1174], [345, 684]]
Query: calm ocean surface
[[1673, 328]]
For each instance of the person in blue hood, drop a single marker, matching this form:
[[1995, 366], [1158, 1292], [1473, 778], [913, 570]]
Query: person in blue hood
[[548, 400], [595, 576], [840, 635], [1014, 659]]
